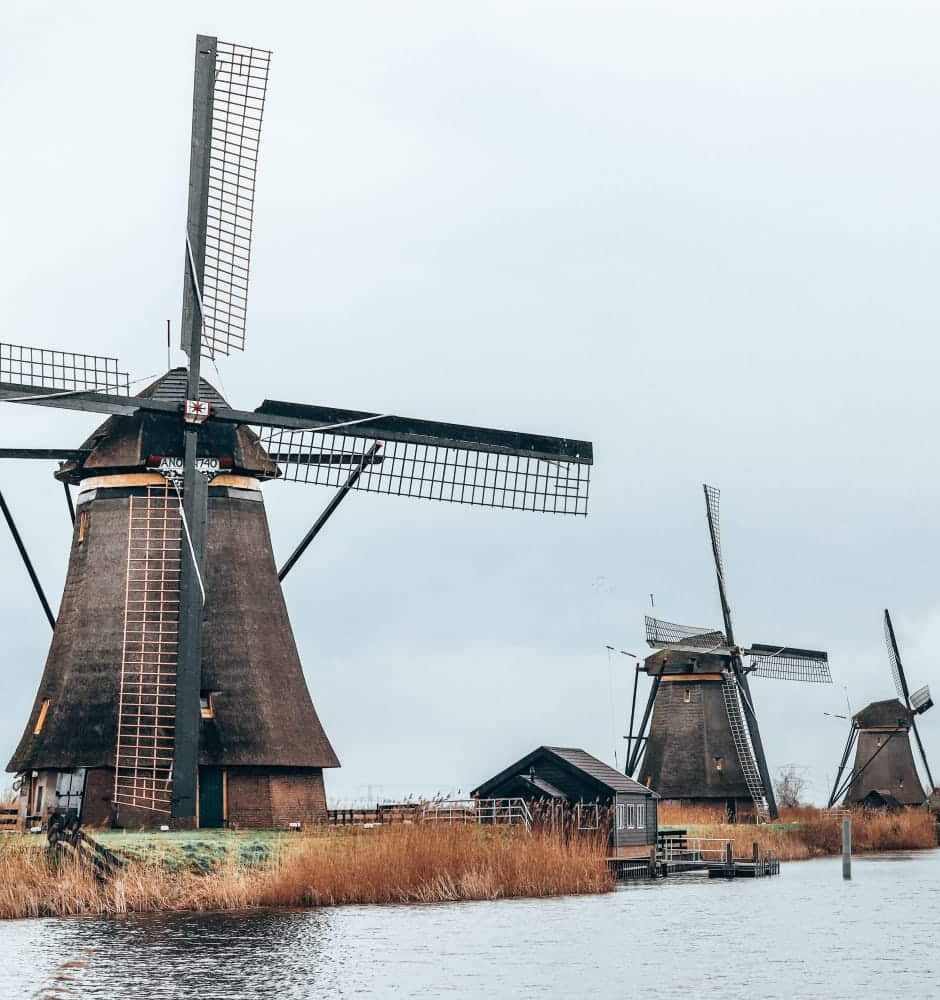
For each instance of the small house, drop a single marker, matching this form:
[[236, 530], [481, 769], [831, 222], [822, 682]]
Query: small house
[[591, 791]]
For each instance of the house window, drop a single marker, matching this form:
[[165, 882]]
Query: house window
[[621, 816], [687, 696], [641, 816], [41, 720], [82, 525], [719, 764], [205, 705], [38, 806]]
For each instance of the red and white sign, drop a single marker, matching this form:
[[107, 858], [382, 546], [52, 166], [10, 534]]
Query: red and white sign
[[195, 411]]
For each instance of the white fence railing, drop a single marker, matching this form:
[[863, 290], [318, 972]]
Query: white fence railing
[[679, 851], [505, 811]]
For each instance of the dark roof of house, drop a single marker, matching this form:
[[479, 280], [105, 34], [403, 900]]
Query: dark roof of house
[[575, 761]]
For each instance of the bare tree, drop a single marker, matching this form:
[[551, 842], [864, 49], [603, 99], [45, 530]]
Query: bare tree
[[789, 786]]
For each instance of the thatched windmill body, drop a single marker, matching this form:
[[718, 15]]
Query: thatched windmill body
[[884, 773], [173, 688], [704, 744]]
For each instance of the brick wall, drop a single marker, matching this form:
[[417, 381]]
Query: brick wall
[[274, 798]]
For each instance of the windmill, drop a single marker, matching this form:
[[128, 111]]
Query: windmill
[[173, 686], [704, 743], [884, 772]]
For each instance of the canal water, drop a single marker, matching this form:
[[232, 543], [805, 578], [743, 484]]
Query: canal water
[[806, 934]]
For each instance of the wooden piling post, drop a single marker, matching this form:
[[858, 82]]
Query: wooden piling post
[[729, 859], [847, 848]]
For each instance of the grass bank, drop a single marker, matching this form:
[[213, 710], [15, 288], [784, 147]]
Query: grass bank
[[810, 833], [398, 864]]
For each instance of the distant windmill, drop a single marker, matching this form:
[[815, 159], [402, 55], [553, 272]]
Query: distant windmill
[[704, 744], [884, 772], [173, 685]]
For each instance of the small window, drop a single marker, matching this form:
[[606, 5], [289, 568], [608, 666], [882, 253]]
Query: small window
[[631, 816], [641, 816], [41, 720], [621, 816], [687, 696], [37, 809], [719, 764], [82, 525], [205, 705]]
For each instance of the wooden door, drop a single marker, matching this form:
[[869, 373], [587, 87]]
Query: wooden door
[[211, 814]]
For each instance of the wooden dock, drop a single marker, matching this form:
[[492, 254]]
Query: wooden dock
[[676, 853]]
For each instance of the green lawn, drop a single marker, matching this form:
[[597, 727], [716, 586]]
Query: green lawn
[[197, 849]]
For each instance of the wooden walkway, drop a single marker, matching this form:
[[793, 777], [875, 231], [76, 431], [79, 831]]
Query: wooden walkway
[[677, 853]]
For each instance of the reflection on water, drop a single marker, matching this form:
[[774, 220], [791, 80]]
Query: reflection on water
[[806, 934]]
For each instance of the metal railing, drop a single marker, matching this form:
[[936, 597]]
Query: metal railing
[[694, 852], [504, 811]]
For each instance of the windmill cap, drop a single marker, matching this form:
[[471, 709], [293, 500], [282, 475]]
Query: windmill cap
[[883, 714], [125, 443]]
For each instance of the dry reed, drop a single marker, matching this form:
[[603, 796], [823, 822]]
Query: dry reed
[[806, 832], [409, 863]]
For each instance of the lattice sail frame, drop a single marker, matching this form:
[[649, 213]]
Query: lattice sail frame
[[143, 772], [479, 477], [237, 108], [662, 633], [788, 664], [62, 371], [713, 503], [894, 657]]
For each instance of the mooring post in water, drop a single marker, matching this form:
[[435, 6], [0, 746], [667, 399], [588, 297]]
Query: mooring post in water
[[846, 848]]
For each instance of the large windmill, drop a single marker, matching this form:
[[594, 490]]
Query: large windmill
[[704, 744], [173, 684], [884, 772]]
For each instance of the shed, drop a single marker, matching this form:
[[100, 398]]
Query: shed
[[594, 790]]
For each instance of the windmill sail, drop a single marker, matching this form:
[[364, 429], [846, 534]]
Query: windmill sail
[[786, 663], [894, 657], [146, 703], [60, 371], [431, 460], [744, 747], [241, 80], [661, 633]]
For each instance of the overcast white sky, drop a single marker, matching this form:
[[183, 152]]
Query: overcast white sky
[[705, 240]]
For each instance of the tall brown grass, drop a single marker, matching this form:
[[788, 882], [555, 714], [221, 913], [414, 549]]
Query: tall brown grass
[[806, 832], [409, 863]]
